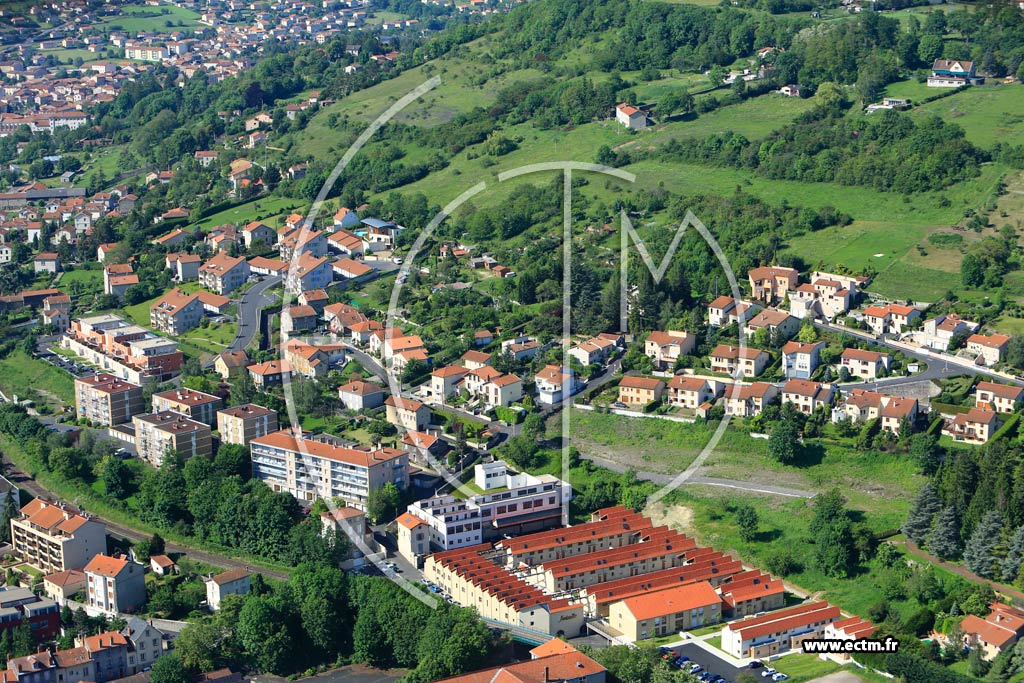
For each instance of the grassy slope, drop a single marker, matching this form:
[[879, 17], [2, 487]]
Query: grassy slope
[[887, 229], [19, 371]]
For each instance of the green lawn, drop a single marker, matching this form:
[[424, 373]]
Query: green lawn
[[261, 209], [909, 89], [20, 372], [800, 667], [81, 282]]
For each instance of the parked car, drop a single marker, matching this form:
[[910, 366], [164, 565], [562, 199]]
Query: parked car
[[756, 664], [779, 677], [769, 672]]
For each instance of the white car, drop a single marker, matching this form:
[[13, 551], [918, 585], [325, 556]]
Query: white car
[[768, 672], [779, 677]]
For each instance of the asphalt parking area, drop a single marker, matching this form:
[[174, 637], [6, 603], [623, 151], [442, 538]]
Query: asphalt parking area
[[709, 662]]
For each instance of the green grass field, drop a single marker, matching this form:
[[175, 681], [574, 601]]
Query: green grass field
[[20, 372], [139, 18], [988, 114], [801, 668]]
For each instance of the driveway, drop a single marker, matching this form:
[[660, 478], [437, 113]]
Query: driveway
[[249, 306]]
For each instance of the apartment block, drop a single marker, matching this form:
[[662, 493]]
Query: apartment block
[[52, 538], [198, 405], [311, 469], [671, 610], [778, 631], [127, 351], [114, 585], [241, 424], [510, 504], [157, 434], [103, 399]]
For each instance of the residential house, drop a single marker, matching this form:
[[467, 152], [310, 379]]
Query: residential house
[[240, 174], [162, 565], [665, 348], [503, 390], [778, 325], [256, 231], [145, 642], [687, 391], [103, 399], [897, 411], [771, 284], [556, 384], [260, 265], [114, 585], [1001, 629], [749, 400], [298, 319], [172, 239], [46, 262], [350, 524], [223, 273], [206, 157], [345, 218], [447, 381], [592, 351], [976, 426], [184, 267], [475, 359], [640, 391], [1002, 398], [726, 310], [939, 332], [61, 586], [808, 396], [800, 359], [890, 319], [241, 424], [359, 394], [176, 312], [197, 405], [53, 538], [310, 469], [631, 117], [351, 269], [230, 364], [565, 667], [316, 298], [406, 413], [231, 582], [989, 348], [731, 360], [313, 361], [117, 278], [865, 364], [951, 73], [270, 373]]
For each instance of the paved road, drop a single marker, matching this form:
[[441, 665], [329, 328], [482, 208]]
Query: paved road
[[22, 480], [249, 307], [940, 366]]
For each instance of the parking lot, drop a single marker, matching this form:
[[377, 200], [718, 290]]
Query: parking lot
[[709, 662]]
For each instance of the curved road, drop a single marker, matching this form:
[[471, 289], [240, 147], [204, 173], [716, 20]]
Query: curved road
[[248, 314]]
